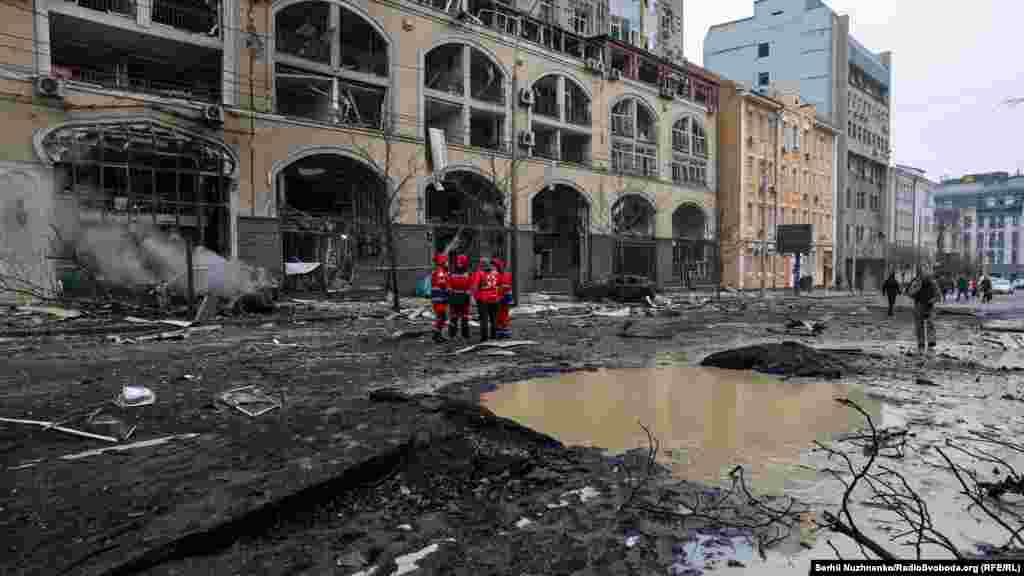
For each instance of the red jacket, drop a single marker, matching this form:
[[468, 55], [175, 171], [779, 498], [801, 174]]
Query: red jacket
[[459, 285], [486, 286], [439, 286]]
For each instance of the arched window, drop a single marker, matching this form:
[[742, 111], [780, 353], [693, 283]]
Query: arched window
[[331, 65], [689, 152], [561, 120], [634, 138], [464, 95]]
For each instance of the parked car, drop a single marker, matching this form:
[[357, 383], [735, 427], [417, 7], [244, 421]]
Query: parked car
[[624, 288], [1018, 283], [1002, 286]]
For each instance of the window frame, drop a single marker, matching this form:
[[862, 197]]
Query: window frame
[[640, 149]]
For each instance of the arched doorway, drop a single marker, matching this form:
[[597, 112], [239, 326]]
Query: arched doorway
[[561, 240], [333, 211], [692, 252], [466, 213], [633, 226]]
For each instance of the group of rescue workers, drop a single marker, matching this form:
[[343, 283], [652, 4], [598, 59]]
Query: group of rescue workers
[[490, 285]]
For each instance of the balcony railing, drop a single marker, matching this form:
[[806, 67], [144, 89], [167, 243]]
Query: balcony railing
[[125, 8], [192, 19], [135, 83]]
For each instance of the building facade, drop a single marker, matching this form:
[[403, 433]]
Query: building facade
[[292, 130], [910, 210], [803, 46], [776, 162], [978, 217]]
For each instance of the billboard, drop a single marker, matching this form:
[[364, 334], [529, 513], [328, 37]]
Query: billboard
[[794, 238]]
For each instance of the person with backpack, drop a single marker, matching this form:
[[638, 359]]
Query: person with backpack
[[486, 288], [924, 291], [986, 289]]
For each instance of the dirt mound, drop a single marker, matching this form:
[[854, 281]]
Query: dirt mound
[[785, 359]]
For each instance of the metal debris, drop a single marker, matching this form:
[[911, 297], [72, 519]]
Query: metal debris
[[132, 446], [249, 400], [54, 426]]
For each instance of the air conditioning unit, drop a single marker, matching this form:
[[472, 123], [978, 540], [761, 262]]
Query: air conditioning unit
[[595, 65], [527, 139], [49, 87], [526, 96], [615, 74], [213, 114]]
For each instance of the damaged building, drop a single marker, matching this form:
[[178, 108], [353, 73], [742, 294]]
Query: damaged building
[[295, 135]]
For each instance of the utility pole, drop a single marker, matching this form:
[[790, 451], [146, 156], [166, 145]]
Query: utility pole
[[514, 179]]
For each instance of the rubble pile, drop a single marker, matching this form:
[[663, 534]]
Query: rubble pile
[[785, 359]]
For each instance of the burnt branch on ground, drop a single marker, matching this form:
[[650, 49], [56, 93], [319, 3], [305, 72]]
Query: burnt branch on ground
[[888, 489]]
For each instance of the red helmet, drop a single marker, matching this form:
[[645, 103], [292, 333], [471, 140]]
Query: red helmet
[[441, 260], [462, 261], [498, 263]]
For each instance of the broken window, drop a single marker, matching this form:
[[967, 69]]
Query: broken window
[[546, 93], [322, 69], [559, 101], [581, 17], [634, 133], [446, 116], [633, 215], [86, 52], [620, 62], [144, 172], [689, 152], [561, 223], [328, 99], [196, 16], [450, 93], [648, 71], [467, 213]]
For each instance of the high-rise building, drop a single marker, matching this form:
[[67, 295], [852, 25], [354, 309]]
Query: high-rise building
[[803, 47]]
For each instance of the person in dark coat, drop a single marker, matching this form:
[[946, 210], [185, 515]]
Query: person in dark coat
[[925, 293], [891, 288]]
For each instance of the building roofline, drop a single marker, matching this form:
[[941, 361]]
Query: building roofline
[[730, 22], [685, 65]]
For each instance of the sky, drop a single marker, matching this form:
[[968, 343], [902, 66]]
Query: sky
[[952, 70]]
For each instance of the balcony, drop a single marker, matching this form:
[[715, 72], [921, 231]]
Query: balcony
[[97, 54]]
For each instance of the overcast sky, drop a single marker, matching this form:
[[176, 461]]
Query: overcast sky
[[953, 65]]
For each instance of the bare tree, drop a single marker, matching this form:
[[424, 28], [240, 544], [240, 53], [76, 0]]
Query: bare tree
[[397, 172]]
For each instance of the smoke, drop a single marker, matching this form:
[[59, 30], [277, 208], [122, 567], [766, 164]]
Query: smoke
[[139, 254]]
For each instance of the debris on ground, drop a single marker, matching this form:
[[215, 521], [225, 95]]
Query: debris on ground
[[55, 426], [249, 400], [59, 313], [785, 359], [496, 344], [813, 328], [132, 446], [133, 396], [169, 321]]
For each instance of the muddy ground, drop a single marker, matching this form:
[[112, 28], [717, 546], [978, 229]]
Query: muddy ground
[[337, 482]]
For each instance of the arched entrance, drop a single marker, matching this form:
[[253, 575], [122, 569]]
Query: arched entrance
[[633, 226], [333, 211], [692, 252], [561, 240], [467, 215]]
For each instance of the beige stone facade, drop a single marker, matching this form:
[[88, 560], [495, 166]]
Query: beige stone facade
[[776, 161], [617, 148]]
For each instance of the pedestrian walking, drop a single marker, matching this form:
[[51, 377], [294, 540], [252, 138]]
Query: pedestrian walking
[[986, 290], [439, 296], [891, 288], [974, 289], [485, 286], [459, 299], [925, 293], [504, 329], [962, 287]]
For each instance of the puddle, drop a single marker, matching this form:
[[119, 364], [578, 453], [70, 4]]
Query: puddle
[[706, 420]]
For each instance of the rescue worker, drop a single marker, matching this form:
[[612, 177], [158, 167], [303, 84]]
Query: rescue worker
[[505, 301], [486, 288], [459, 297], [439, 296]]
